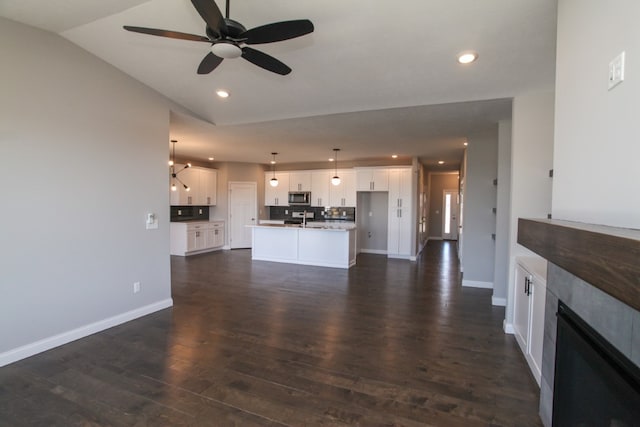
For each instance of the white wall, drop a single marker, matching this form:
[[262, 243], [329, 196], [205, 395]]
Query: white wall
[[479, 201], [596, 150], [503, 215], [84, 158], [531, 160]]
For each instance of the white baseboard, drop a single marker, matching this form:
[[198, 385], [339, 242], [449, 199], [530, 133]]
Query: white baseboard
[[501, 302], [434, 238], [398, 256], [507, 327], [66, 337], [476, 284], [373, 251], [226, 247]]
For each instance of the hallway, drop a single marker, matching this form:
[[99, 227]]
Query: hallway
[[388, 342]]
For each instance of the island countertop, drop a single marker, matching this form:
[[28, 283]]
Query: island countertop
[[311, 245]]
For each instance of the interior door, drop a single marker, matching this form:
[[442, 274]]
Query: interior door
[[450, 215], [243, 210]]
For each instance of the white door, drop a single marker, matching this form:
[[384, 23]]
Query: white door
[[243, 202], [450, 215]]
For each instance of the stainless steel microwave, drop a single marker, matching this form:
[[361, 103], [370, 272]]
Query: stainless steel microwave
[[299, 198]]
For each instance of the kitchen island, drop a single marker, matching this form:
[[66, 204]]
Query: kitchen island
[[317, 244]]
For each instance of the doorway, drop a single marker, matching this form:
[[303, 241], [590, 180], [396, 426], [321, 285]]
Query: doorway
[[243, 211], [450, 203]]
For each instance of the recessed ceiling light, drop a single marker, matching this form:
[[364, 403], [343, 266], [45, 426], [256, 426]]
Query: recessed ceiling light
[[273, 162], [394, 156], [441, 162], [465, 143], [210, 158], [222, 93], [467, 57], [332, 159]]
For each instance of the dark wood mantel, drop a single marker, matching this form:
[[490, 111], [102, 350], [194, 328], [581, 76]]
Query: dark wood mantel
[[606, 257]]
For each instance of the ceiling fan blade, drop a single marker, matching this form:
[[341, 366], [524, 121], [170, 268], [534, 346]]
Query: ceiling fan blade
[[167, 33], [265, 61], [209, 63], [209, 11], [278, 31]]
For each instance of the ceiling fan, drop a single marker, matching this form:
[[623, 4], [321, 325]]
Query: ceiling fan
[[228, 38]]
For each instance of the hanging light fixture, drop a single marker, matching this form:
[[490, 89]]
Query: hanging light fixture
[[172, 169], [336, 179], [274, 181]]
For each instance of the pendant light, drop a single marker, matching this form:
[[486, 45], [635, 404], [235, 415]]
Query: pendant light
[[336, 179], [172, 170], [274, 181]]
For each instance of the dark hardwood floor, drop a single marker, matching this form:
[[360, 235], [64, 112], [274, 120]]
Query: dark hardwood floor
[[387, 343]]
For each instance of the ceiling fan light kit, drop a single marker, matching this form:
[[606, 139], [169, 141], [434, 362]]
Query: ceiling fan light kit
[[229, 38]]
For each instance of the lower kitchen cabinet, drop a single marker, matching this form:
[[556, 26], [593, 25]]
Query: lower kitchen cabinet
[[189, 238], [530, 288]]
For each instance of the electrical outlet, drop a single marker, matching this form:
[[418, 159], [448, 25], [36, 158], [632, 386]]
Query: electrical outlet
[[136, 287], [616, 71]]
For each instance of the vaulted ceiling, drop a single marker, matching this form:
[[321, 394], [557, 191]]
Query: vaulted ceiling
[[374, 78]]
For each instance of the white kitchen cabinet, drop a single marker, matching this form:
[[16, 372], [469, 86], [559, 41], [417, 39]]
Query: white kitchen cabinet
[[343, 194], [202, 183], [190, 177], [300, 181], [188, 238], [215, 234], [320, 183], [530, 285], [372, 179], [400, 213], [208, 187], [276, 196]]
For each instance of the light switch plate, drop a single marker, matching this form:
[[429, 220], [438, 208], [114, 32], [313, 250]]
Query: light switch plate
[[616, 71]]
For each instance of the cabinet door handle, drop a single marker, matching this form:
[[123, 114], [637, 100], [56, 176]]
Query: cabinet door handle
[[527, 286]]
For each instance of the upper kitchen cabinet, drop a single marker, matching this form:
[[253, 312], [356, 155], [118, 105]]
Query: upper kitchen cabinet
[[372, 179], [208, 186], [202, 183], [320, 183], [300, 181], [343, 194], [279, 195]]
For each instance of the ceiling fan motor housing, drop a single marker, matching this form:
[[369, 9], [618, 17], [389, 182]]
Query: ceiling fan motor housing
[[234, 30]]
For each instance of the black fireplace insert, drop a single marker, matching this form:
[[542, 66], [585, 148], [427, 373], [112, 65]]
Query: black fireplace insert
[[594, 384]]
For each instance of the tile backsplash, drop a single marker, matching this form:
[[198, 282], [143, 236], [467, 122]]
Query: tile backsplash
[[334, 213], [189, 213]]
